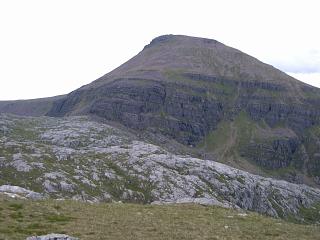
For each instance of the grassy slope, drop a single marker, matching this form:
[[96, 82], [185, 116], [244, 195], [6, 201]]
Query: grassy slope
[[21, 218], [228, 139]]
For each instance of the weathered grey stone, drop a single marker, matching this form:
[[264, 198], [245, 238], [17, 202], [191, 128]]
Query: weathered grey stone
[[52, 236], [19, 192], [19, 163]]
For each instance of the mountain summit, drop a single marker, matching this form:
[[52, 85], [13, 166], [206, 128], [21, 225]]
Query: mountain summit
[[219, 102]]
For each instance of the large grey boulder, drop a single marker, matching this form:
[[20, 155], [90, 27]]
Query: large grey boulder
[[52, 236]]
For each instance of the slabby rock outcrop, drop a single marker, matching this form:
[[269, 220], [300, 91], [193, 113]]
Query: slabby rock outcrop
[[84, 160]]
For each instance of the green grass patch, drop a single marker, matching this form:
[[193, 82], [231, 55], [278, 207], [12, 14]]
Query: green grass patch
[[217, 138], [16, 215], [211, 89], [312, 214], [245, 127], [55, 218], [16, 206], [135, 221]]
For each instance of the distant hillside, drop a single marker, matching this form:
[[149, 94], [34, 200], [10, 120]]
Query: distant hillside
[[32, 107]]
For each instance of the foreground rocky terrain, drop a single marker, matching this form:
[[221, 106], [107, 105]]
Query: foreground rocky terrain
[[78, 158]]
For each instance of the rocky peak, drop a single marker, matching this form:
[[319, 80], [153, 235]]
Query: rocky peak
[[160, 39], [179, 39]]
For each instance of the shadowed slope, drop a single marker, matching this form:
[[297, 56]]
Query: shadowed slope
[[32, 107]]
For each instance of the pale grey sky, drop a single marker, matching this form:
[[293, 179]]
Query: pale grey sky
[[49, 48]]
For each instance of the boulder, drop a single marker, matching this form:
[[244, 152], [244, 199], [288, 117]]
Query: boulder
[[52, 236]]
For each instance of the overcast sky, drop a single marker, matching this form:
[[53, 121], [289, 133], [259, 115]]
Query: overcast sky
[[52, 47]]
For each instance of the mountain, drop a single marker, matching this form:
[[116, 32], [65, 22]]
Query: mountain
[[154, 129], [223, 104]]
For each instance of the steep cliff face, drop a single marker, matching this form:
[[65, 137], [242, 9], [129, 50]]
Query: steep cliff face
[[188, 106], [146, 103]]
